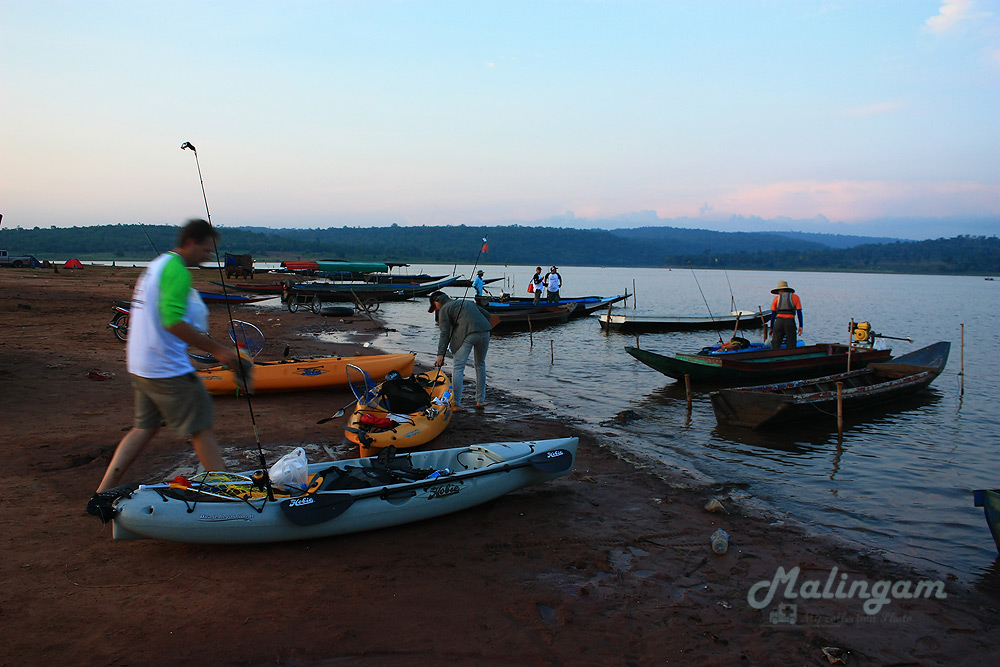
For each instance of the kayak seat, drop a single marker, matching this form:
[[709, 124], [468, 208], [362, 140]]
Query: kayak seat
[[482, 456]]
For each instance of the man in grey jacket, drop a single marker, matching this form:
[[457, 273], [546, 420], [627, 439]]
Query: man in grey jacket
[[466, 328]]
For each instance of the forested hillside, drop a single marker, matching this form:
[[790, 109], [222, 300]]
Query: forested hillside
[[644, 246]]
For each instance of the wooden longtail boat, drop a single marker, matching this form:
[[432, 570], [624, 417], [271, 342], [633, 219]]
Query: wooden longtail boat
[[775, 404], [584, 304], [989, 500], [531, 318], [346, 292], [305, 374], [761, 365], [654, 323]]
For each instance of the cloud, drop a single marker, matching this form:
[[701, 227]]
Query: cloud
[[952, 13], [859, 200]]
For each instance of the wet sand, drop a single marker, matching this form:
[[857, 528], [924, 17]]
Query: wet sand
[[610, 565]]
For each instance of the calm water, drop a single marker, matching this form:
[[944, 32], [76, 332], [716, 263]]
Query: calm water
[[901, 480]]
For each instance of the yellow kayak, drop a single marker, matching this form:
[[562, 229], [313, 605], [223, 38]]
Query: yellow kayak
[[304, 374], [375, 425]]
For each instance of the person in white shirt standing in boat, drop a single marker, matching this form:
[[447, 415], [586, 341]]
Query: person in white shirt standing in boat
[[537, 284], [553, 282]]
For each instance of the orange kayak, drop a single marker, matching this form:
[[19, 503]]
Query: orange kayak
[[405, 430], [305, 374]]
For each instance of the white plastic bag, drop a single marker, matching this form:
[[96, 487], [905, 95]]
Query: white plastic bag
[[291, 470]]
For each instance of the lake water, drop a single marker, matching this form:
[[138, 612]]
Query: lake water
[[899, 481]]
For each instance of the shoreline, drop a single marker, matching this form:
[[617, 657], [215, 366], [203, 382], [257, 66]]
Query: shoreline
[[610, 565]]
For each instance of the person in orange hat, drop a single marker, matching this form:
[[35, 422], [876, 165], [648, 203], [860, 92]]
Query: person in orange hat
[[784, 308]]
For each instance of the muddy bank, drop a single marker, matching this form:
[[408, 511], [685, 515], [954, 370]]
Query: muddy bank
[[610, 565]]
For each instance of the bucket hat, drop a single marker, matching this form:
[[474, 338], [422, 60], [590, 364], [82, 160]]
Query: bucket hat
[[782, 287]]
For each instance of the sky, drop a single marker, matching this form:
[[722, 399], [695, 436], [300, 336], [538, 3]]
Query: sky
[[325, 114]]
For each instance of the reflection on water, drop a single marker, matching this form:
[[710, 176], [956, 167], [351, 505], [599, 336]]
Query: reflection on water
[[899, 479]]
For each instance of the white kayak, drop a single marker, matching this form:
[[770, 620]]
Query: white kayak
[[342, 496]]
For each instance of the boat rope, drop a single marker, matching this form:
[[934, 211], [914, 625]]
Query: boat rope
[[712, 317], [187, 145]]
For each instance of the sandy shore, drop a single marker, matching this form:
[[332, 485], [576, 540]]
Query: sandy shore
[[608, 566]]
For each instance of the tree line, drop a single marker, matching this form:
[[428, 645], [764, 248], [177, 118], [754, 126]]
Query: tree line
[[514, 244]]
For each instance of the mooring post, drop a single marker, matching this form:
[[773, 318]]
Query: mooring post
[[687, 389], [840, 408]]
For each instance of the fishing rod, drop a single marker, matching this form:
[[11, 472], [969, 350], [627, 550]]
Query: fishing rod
[[149, 239], [475, 265], [732, 298], [712, 317], [241, 370]]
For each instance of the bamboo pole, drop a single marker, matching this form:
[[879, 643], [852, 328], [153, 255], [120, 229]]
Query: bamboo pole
[[840, 408], [687, 390], [961, 357], [531, 338], [633, 293], [850, 344], [552, 351]]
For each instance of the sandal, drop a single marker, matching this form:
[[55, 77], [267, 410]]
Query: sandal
[[480, 406]]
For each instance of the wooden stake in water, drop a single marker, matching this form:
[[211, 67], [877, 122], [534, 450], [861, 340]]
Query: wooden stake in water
[[840, 408], [607, 329], [961, 358], [531, 340], [552, 351], [633, 294], [687, 390], [850, 344]]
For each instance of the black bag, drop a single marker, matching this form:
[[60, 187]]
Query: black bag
[[404, 395]]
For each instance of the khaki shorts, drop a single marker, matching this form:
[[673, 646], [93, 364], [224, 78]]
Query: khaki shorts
[[182, 402]]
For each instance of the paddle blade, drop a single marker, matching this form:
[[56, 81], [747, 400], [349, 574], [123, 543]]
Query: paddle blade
[[556, 460], [310, 510]]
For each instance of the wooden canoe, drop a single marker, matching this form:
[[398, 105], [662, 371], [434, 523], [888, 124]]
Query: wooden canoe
[[305, 374], [584, 304], [655, 323], [531, 318], [989, 500], [756, 366], [408, 430], [771, 405]]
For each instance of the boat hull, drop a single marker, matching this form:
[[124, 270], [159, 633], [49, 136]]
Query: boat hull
[[478, 474], [766, 406], [989, 500], [304, 374], [756, 366], [653, 324]]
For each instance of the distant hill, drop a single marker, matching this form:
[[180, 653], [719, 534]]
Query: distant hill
[[837, 240], [642, 246]]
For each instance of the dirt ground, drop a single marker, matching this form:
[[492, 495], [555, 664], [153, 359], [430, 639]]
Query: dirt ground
[[610, 565]]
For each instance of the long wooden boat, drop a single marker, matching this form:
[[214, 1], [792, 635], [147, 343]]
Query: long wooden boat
[[584, 304], [467, 282], [211, 297], [761, 365], [402, 278], [407, 428], [531, 318], [251, 288], [771, 405], [989, 500], [654, 323], [345, 292], [305, 374], [342, 497]]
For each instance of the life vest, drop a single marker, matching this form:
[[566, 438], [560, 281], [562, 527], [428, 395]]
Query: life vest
[[785, 305]]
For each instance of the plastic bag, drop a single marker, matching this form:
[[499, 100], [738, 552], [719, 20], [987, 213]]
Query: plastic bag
[[291, 470], [531, 287]]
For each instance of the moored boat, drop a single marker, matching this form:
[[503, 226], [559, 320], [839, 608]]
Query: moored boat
[[304, 374], [342, 497], [531, 318], [771, 405], [341, 292], [754, 366], [584, 304], [989, 500], [655, 323]]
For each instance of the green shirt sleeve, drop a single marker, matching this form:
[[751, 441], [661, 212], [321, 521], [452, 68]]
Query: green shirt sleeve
[[175, 283]]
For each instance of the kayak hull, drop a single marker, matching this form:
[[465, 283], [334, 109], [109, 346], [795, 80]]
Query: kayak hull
[[477, 474], [304, 374]]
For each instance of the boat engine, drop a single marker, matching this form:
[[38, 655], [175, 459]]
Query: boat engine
[[862, 333]]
